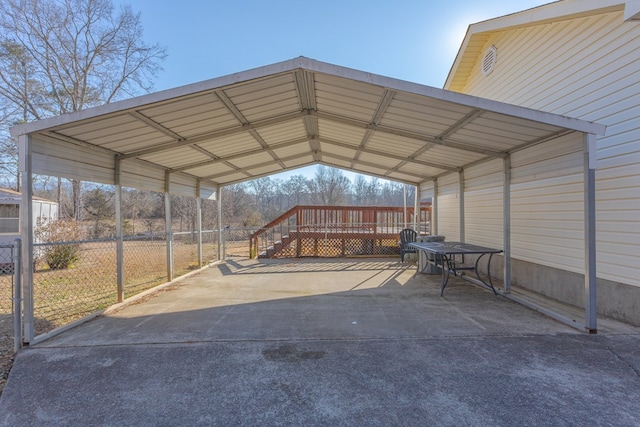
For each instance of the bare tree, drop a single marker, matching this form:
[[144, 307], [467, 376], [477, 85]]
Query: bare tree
[[61, 56], [237, 203], [262, 189], [99, 206], [183, 208], [9, 163], [329, 186], [359, 195], [297, 190], [142, 206]]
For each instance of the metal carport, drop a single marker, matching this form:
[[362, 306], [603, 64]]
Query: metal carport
[[194, 139]]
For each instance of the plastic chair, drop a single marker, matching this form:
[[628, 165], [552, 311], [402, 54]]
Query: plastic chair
[[407, 236]]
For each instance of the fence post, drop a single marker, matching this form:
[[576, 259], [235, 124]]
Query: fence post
[[168, 227], [199, 225], [119, 234], [224, 242], [17, 295]]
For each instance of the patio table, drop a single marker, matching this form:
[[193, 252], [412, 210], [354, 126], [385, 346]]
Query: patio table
[[449, 256]]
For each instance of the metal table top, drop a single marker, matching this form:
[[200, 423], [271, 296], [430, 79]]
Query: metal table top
[[453, 248]]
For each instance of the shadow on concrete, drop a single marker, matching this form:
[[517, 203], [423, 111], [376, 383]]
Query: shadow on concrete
[[308, 345]]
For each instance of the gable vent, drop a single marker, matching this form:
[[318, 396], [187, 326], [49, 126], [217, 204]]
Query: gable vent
[[489, 60]]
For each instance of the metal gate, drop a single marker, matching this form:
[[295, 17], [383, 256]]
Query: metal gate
[[10, 294]]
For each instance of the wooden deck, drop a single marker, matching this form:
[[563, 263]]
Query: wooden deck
[[336, 231]]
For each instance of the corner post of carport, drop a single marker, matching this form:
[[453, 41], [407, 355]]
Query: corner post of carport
[[168, 224], [26, 231], [199, 222], [219, 206], [506, 223], [461, 202], [119, 232], [590, 278]]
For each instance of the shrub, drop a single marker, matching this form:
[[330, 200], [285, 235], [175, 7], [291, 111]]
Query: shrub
[[64, 249]]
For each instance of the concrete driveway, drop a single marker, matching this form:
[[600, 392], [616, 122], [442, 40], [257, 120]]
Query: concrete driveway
[[325, 342]]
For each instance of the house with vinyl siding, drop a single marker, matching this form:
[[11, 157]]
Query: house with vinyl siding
[[43, 211], [576, 58], [10, 201]]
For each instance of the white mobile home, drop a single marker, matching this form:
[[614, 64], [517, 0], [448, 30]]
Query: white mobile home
[[43, 210], [576, 58]]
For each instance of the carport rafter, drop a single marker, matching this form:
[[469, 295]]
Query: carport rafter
[[155, 125], [255, 166], [314, 115], [231, 107], [305, 87], [416, 136], [383, 105], [375, 165], [210, 136], [251, 127], [466, 119], [410, 159], [239, 155]]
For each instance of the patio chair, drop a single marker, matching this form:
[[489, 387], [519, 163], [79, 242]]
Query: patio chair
[[407, 236]]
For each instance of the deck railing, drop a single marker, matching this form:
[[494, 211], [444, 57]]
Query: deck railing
[[332, 231]]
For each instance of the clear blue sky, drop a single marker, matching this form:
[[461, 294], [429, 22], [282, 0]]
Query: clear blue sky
[[414, 40]]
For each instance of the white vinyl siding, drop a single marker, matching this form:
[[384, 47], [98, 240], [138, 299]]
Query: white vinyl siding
[[449, 207], [483, 201], [547, 209], [588, 68]]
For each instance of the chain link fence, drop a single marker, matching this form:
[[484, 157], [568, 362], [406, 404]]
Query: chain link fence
[[10, 337], [236, 241], [88, 283], [6, 283]]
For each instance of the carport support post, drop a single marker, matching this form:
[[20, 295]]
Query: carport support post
[[506, 224], [461, 200], [26, 230], [199, 223], [416, 209], [433, 227], [219, 205], [590, 163], [168, 225], [119, 234]]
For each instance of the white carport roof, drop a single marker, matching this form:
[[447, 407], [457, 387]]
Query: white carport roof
[[284, 116], [194, 139]]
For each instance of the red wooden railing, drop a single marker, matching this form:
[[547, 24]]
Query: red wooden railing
[[335, 231]]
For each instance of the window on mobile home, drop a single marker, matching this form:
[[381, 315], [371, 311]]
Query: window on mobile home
[[9, 219]]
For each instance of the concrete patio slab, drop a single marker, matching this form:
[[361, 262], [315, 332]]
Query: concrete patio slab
[[325, 342]]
